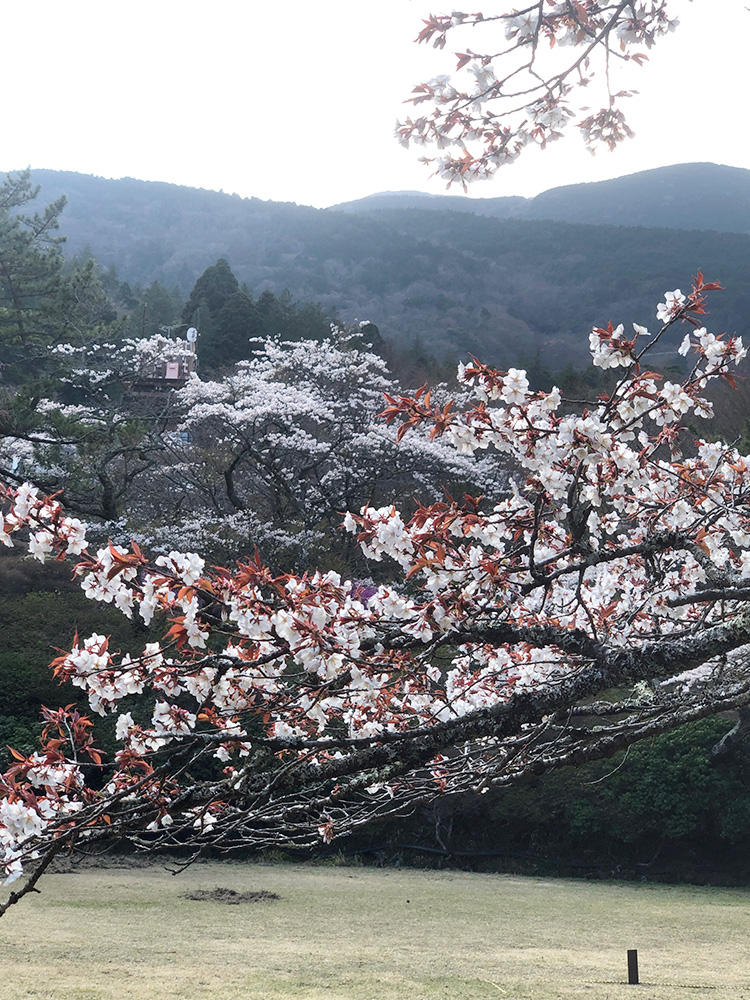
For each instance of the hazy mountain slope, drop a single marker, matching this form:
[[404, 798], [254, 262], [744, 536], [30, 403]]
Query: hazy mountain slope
[[499, 208], [686, 196], [558, 279], [454, 281], [155, 231]]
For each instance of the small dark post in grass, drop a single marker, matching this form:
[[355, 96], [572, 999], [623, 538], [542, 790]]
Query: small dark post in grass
[[632, 967]]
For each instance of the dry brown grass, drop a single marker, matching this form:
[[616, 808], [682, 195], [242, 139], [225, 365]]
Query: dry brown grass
[[364, 934]]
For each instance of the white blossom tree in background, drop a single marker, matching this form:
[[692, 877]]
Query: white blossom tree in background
[[87, 432], [275, 452], [270, 455]]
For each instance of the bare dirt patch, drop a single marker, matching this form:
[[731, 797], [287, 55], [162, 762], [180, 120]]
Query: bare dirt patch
[[230, 896]]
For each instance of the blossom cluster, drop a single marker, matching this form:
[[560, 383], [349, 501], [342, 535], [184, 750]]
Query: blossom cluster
[[51, 531], [505, 97]]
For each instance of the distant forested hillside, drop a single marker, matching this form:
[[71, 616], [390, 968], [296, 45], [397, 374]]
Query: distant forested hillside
[[684, 196], [446, 282]]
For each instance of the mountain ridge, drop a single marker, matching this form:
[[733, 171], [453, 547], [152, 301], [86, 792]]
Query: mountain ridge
[[703, 196], [446, 283]]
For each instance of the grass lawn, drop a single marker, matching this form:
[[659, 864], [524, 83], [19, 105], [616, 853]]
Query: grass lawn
[[368, 934]]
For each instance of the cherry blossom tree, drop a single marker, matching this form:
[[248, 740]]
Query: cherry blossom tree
[[527, 77], [84, 431], [273, 453], [269, 455], [603, 597]]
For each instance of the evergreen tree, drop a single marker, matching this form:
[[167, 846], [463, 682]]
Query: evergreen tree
[[31, 262], [87, 305], [211, 293], [225, 316], [283, 317], [236, 323], [215, 287], [155, 308]]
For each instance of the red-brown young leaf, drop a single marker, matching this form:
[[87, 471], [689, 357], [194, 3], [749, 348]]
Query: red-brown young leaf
[[405, 427], [432, 25], [177, 632]]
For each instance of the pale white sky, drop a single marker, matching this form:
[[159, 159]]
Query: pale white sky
[[296, 101]]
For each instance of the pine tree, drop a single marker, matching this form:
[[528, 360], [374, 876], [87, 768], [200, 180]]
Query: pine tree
[[31, 262], [225, 315]]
